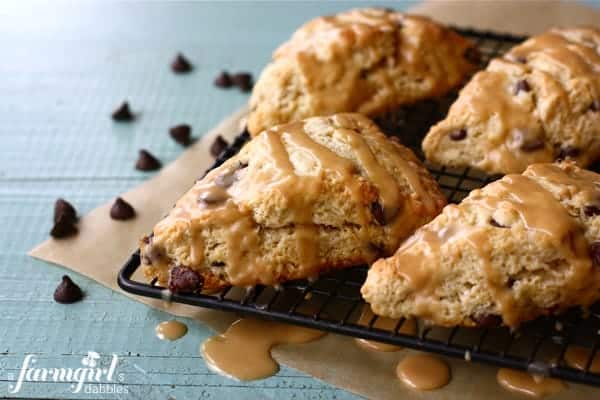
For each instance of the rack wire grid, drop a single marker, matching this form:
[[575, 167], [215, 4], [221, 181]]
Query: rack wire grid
[[333, 302]]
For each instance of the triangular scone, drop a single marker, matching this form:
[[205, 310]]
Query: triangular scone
[[365, 60], [538, 103], [298, 199], [523, 246]]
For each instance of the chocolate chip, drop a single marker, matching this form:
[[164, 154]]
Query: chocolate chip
[[181, 65], [487, 320], [495, 223], [65, 209], [181, 134], [63, 228], [123, 113], [473, 55], [532, 145], [458, 134], [591, 210], [121, 210], [217, 264], [522, 85], [567, 152], [184, 280], [67, 291], [223, 80], [218, 145], [595, 254], [378, 214], [243, 80], [595, 106], [147, 162], [226, 179]]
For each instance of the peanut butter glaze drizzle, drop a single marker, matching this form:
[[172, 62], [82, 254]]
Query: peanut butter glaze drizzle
[[219, 201], [418, 259]]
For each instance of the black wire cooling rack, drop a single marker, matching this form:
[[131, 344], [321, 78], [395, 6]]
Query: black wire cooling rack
[[333, 302]]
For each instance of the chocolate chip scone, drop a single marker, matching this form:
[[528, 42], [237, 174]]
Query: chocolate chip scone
[[298, 199], [521, 247], [366, 60], [538, 103]]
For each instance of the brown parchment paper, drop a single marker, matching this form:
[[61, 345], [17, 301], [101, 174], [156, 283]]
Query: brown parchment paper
[[334, 359]]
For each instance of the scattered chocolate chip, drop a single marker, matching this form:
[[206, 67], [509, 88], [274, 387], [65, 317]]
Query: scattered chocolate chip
[[184, 280], [181, 65], [522, 85], [378, 214], [147, 162], [226, 179], [243, 80], [495, 223], [217, 147], [473, 55], [182, 134], [123, 113], [591, 210], [65, 209], [595, 254], [223, 80], [67, 291], [567, 152], [488, 320], [121, 210], [532, 145], [63, 228], [458, 135], [595, 106]]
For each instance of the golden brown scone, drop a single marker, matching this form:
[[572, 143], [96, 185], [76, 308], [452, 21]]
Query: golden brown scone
[[298, 199], [538, 103], [524, 246], [365, 60]]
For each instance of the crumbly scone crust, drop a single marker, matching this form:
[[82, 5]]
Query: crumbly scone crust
[[300, 198], [523, 246], [538, 103], [364, 60]]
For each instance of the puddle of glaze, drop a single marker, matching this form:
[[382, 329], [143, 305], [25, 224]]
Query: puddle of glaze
[[423, 372], [577, 357], [244, 351], [409, 327], [527, 384], [171, 330]]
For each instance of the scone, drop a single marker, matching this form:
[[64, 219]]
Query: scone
[[538, 103], [298, 199], [521, 247], [365, 60]]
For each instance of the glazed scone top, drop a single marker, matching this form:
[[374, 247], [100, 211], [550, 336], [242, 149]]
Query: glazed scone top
[[527, 244], [303, 179], [538, 103], [364, 60]]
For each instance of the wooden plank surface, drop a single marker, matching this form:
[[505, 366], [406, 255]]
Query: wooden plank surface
[[64, 67]]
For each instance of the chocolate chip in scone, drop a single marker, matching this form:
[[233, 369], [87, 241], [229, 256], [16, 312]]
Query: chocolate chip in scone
[[595, 106], [532, 145], [567, 152], [63, 228], [497, 224], [223, 80], [595, 254], [182, 134], [123, 113], [487, 320], [147, 162], [591, 210], [522, 86], [459, 134], [243, 80], [121, 210], [65, 209], [181, 65], [67, 291], [218, 145], [218, 264], [378, 214], [184, 280]]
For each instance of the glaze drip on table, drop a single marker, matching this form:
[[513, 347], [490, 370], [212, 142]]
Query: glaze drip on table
[[423, 372], [527, 384]]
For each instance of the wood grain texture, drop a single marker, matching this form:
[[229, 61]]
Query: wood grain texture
[[64, 67]]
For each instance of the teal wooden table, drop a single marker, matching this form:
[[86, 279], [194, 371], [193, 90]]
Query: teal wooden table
[[63, 68]]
